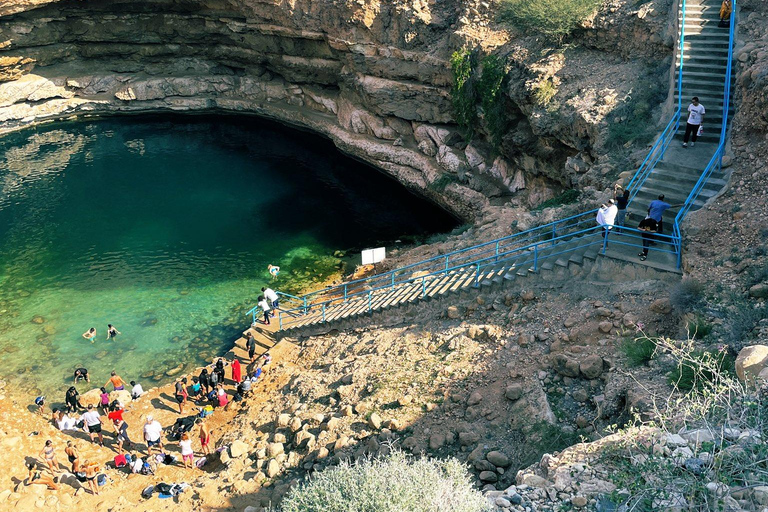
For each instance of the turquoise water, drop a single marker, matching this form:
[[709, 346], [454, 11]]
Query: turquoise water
[[164, 227]]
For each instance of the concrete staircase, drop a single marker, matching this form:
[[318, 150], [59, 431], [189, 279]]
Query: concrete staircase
[[573, 241], [577, 250], [705, 57]]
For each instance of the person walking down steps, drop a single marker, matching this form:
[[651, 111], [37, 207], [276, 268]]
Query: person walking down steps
[[726, 8], [696, 113]]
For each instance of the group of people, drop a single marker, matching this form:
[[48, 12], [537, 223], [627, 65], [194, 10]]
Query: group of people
[[112, 333], [268, 302], [615, 212], [206, 388]]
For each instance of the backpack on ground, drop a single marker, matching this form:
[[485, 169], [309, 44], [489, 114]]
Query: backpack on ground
[[101, 479], [120, 461], [201, 462], [206, 411], [147, 492], [169, 459], [146, 469]]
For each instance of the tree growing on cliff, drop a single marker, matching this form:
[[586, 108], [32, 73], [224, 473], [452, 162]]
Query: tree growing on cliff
[[552, 18], [394, 483]]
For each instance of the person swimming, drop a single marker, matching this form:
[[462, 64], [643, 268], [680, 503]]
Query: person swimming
[[274, 270], [90, 334], [112, 332]]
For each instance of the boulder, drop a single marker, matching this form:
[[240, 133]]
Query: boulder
[[661, 306], [605, 326], [468, 438], [238, 449], [513, 392], [374, 421], [498, 459], [475, 398], [282, 420], [592, 366], [565, 365], [751, 361], [759, 291], [294, 424], [92, 397], [273, 468], [275, 449], [452, 312], [489, 476], [436, 441]]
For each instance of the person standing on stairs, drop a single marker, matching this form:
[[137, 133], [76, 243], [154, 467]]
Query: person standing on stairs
[[648, 226], [606, 216], [696, 113], [725, 13], [622, 200]]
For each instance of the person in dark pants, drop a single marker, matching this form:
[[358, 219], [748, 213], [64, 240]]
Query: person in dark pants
[[648, 226], [696, 113], [622, 200]]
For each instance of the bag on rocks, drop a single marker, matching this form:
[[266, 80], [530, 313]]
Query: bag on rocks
[[201, 462], [147, 492]]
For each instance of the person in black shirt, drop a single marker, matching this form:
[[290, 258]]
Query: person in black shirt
[[648, 226], [82, 373], [72, 399], [204, 381], [622, 200]]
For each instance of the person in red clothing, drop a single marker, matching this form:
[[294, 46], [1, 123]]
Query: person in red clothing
[[236, 371], [121, 428]]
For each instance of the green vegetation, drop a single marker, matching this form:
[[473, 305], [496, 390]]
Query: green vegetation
[[698, 326], [543, 92], [728, 414], [701, 369], [463, 93], [489, 86], [631, 121], [687, 295], [638, 351], [567, 197], [392, 483], [552, 18], [479, 83]]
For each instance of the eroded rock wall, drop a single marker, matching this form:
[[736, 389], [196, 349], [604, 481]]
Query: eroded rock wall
[[372, 76]]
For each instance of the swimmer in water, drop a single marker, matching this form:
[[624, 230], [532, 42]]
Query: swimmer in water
[[90, 334], [112, 332], [117, 382], [274, 270]]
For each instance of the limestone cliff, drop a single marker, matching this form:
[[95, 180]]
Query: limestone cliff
[[372, 76]]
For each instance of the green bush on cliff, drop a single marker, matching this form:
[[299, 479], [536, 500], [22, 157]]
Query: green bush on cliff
[[481, 84], [552, 18], [392, 483]]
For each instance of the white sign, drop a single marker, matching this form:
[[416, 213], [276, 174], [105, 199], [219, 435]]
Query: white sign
[[373, 256]]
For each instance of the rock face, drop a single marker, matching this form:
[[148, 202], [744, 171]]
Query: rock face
[[373, 76]]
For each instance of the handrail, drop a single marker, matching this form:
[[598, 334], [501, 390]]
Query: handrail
[[524, 244], [255, 311], [716, 162], [530, 255]]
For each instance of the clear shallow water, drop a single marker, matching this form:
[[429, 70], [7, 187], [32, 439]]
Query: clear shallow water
[[164, 227]]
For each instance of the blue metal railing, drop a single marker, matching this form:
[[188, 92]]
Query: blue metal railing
[[530, 256], [528, 247], [256, 312], [716, 162]]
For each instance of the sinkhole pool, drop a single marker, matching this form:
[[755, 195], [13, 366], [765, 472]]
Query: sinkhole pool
[[164, 227]]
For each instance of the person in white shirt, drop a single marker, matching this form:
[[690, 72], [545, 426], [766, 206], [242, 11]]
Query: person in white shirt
[[696, 113], [92, 421], [187, 454], [271, 296], [264, 305], [153, 433], [606, 216], [136, 390]]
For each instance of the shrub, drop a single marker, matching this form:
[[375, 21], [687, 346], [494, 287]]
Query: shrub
[[543, 92], [698, 327], [491, 92], [632, 118], [687, 295], [552, 18], [463, 93], [638, 351], [701, 369], [733, 458], [388, 484], [443, 181]]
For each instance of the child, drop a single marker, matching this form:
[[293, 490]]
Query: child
[[40, 403], [90, 334], [197, 389], [104, 396], [187, 454]]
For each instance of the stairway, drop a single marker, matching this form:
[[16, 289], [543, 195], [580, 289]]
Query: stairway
[[522, 264], [575, 240], [705, 57]]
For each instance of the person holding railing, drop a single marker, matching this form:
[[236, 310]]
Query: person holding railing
[[606, 216], [648, 226]]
